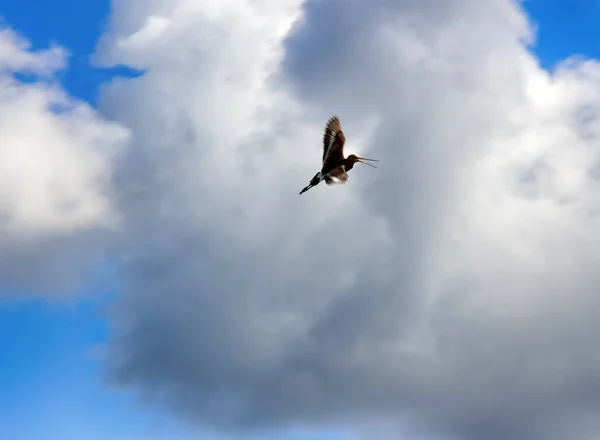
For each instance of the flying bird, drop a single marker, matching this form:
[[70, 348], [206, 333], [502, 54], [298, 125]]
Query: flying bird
[[335, 165]]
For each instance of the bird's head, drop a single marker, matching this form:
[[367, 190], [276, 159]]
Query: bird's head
[[354, 158]]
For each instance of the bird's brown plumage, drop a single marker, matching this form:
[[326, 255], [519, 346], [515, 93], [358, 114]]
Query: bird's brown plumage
[[333, 145]]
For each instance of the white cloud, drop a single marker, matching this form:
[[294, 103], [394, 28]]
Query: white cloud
[[56, 157], [16, 55], [450, 293]]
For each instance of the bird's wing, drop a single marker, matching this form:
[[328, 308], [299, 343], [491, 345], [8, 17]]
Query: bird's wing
[[337, 175], [333, 143]]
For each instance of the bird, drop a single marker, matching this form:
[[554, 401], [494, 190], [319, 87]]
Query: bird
[[335, 165]]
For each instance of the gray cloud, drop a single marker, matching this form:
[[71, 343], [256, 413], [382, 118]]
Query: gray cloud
[[450, 293]]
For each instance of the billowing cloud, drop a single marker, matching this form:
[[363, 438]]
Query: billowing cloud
[[56, 157], [450, 293]]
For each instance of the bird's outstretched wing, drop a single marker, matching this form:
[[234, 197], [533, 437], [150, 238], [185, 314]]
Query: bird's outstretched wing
[[333, 144], [337, 175]]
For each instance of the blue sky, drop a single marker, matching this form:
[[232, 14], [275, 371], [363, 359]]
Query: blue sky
[[49, 375], [565, 28]]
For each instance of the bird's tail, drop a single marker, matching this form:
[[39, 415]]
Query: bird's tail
[[313, 182]]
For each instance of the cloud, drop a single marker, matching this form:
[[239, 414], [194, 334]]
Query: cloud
[[16, 55], [448, 294], [56, 157]]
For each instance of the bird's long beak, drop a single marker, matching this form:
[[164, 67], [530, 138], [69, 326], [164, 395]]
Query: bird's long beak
[[361, 159]]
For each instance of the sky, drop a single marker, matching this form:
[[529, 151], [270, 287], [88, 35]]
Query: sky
[[161, 279]]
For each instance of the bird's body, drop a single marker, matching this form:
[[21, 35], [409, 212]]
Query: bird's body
[[335, 166]]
